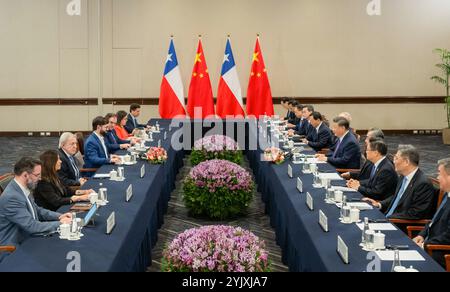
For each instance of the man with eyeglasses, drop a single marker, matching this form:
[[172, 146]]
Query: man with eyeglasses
[[113, 142], [20, 217]]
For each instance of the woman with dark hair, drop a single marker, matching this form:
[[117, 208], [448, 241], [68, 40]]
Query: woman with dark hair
[[50, 192], [121, 132]]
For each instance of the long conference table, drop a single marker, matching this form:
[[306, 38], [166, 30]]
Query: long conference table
[[128, 247], [305, 247]]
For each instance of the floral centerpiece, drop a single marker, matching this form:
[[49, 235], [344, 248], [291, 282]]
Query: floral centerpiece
[[156, 155], [216, 147], [218, 189], [216, 249], [274, 155]]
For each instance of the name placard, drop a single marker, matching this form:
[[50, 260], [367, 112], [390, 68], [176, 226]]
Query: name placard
[[290, 171], [309, 201], [299, 185], [110, 223], [342, 250], [143, 171], [323, 221], [129, 193]]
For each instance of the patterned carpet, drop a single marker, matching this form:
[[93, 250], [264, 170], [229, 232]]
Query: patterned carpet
[[177, 219]]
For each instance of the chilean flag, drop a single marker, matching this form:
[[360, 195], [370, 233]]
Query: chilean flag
[[229, 95], [171, 98]]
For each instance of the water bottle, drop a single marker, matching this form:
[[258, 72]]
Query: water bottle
[[157, 126], [396, 262], [366, 227], [74, 227], [344, 204]]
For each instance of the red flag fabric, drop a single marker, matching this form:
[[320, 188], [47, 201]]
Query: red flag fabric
[[200, 97], [259, 96]]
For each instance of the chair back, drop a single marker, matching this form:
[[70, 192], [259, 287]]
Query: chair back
[[4, 181]]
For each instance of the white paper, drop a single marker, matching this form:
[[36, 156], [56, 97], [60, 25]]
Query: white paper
[[315, 161], [344, 189], [405, 255], [360, 205], [330, 176], [102, 175], [378, 226]]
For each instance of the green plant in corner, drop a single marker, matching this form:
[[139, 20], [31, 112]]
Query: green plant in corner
[[444, 78]]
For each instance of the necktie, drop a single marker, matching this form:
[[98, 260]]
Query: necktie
[[398, 197], [75, 168], [439, 211], [111, 134], [30, 200], [374, 170], [337, 148], [134, 122], [102, 141]]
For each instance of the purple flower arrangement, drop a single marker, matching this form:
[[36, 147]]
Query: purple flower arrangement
[[216, 147], [216, 249], [218, 189]]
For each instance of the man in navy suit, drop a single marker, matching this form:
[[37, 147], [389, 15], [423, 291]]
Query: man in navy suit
[[346, 153], [132, 122], [320, 135], [414, 197], [114, 143], [382, 179], [69, 173], [96, 152], [438, 231], [20, 217]]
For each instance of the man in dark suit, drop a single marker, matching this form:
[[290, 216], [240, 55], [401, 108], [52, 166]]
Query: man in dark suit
[[132, 122], [382, 179], [96, 152], [285, 105], [320, 135], [346, 153], [69, 173], [415, 195], [438, 231], [113, 142]]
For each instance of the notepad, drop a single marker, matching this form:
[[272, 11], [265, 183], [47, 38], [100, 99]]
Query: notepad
[[102, 175], [378, 226], [344, 189], [405, 255], [330, 176]]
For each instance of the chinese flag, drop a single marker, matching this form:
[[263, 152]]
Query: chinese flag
[[200, 98], [259, 96]]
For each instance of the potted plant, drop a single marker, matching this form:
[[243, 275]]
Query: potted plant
[[444, 80]]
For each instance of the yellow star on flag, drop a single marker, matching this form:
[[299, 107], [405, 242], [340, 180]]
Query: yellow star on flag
[[255, 57], [197, 58]]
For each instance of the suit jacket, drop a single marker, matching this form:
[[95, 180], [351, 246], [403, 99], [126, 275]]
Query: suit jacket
[[364, 174], [383, 184], [113, 142], [67, 173], [303, 127], [348, 155], [439, 232], [16, 218], [50, 196], [319, 139], [292, 118], [130, 126], [94, 154], [418, 201]]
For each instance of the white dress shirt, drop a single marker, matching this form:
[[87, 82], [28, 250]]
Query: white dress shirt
[[27, 193]]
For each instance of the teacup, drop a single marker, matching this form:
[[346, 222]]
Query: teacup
[[64, 230]]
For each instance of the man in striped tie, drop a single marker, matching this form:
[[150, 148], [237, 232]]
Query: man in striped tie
[[438, 231]]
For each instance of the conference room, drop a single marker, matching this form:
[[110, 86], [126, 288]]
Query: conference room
[[225, 136]]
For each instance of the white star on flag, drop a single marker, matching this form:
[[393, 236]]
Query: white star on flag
[[225, 58], [169, 58]]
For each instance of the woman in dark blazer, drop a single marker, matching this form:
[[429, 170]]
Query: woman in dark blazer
[[50, 192]]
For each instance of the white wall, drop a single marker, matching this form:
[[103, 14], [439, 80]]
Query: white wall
[[311, 48]]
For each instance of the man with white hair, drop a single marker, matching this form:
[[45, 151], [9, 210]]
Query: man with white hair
[[438, 231], [69, 173]]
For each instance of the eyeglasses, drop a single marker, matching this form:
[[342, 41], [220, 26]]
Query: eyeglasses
[[38, 175]]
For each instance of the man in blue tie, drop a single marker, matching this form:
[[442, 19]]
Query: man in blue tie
[[113, 142], [20, 217], [382, 180], [96, 152], [132, 122], [438, 231], [415, 195], [69, 173], [346, 154]]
